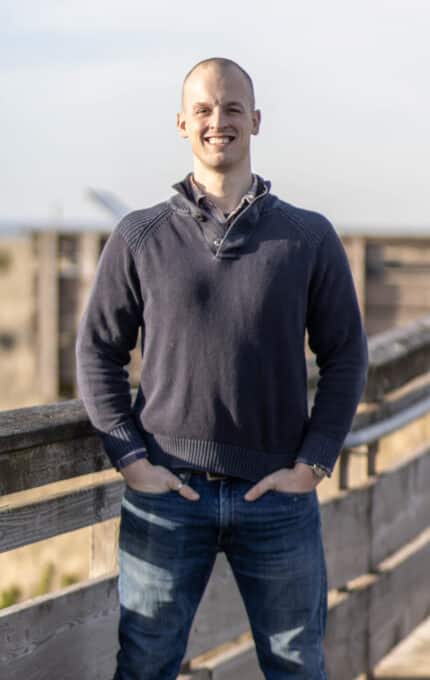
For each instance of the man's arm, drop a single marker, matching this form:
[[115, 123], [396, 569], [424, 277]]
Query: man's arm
[[107, 333], [337, 337]]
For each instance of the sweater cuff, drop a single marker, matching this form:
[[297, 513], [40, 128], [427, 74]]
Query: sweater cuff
[[124, 444], [319, 449], [130, 458]]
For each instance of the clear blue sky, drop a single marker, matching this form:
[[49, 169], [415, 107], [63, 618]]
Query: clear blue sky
[[89, 93]]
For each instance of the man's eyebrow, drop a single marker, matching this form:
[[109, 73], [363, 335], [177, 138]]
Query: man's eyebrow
[[232, 103]]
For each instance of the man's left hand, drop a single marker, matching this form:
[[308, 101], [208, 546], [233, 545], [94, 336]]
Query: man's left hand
[[300, 478]]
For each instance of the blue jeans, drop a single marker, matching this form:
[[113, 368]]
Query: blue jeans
[[167, 548]]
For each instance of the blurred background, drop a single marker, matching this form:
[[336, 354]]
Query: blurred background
[[88, 98]]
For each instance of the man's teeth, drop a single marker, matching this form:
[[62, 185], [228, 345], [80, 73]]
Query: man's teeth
[[218, 140]]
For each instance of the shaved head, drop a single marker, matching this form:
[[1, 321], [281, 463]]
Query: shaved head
[[222, 64]]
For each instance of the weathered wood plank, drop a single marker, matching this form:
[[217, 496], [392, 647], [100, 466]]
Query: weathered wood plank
[[396, 357], [52, 462], [416, 278], [221, 614], [378, 611], [73, 634], [400, 597], [67, 635], [400, 506], [356, 251], [410, 253], [89, 253], [23, 428], [23, 523], [409, 659], [47, 314], [103, 548], [345, 642], [378, 321], [345, 528], [394, 295], [364, 525], [234, 661]]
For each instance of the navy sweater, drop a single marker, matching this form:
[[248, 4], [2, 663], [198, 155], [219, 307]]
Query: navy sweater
[[223, 382]]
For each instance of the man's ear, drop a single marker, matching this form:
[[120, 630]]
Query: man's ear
[[181, 125], [256, 121]]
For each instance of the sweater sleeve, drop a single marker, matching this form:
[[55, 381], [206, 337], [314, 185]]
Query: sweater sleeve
[[107, 332], [338, 339]]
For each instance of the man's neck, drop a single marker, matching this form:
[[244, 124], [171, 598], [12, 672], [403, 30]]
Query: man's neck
[[224, 189]]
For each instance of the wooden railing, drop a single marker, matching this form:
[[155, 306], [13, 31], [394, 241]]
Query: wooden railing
[[376, 536]]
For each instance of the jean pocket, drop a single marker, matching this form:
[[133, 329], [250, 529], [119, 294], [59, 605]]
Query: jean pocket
[[305, 494], [140, 492]]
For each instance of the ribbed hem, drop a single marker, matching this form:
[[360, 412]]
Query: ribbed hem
[[317, 448], [216, 457], [123, 440]]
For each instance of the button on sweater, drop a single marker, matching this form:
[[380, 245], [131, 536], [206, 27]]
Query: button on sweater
[[223, 383]]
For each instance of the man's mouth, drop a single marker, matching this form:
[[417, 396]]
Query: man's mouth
[[220, 140]]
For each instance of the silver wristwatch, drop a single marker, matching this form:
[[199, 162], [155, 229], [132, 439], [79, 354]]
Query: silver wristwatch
[[319, 471]]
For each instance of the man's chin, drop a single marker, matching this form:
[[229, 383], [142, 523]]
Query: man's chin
[[219, 163]]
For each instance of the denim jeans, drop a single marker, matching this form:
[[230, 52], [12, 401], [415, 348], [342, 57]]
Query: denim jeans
[[167, 548]]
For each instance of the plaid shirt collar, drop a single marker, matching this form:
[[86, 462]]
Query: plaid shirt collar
[[203, 201]]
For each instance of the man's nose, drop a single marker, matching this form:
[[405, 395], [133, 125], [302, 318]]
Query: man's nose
[[218, 118]]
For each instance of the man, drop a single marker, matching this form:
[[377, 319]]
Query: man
[[218, 451]]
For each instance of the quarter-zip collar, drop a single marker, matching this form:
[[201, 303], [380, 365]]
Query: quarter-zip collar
[[238, 231]]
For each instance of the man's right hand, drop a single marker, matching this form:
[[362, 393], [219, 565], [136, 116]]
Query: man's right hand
[[143, 476]]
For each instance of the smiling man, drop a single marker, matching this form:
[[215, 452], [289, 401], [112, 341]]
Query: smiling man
[[218, 450]]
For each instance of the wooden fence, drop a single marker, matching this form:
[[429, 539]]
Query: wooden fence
[[376, 535], [47, 274]]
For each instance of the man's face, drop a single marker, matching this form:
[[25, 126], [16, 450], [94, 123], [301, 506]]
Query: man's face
[[218, 117]]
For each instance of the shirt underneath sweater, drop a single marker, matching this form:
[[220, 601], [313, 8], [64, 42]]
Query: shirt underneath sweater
[[223, 383], [215, 213]]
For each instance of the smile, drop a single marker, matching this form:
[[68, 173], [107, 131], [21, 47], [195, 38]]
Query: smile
[[219, 141]]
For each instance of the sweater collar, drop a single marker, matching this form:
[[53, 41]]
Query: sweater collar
[[242, 225], [185, 190]]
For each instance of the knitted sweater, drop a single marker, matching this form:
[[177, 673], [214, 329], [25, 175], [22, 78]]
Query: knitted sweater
[[223, 382]]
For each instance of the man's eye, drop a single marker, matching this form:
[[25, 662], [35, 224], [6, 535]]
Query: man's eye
[[201, 111]]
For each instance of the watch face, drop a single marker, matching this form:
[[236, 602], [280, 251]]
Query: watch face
[[319, 471]]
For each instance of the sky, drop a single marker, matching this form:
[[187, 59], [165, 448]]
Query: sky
[[89, 93]]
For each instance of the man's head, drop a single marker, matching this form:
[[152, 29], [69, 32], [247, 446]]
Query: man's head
[[218, 114]]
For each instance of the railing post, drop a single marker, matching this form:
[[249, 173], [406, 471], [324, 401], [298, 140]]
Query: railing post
[[372, 450], [89, 253], [47, 315], [344, 468], [89, 248], [103, 547], [358, 266]]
